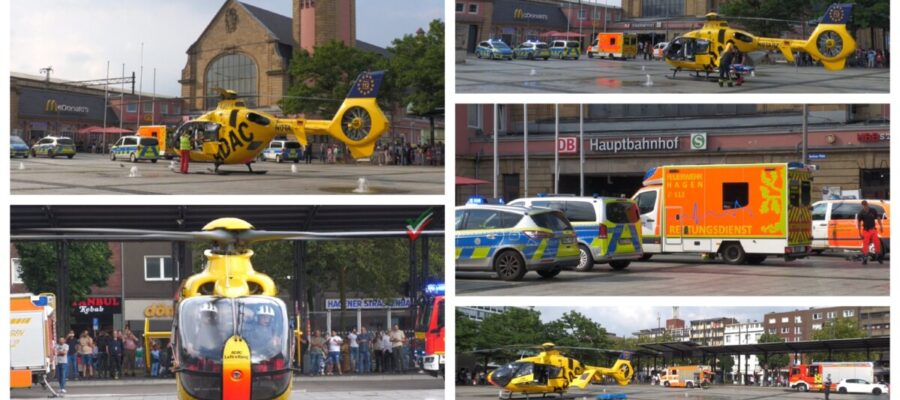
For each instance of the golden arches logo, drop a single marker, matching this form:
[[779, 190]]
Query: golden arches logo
[[51, 106], [518, 13]]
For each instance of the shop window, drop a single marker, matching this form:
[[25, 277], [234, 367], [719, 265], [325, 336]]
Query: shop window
[[473, 8], [15, 269], [158, 268], [875, 183], [735, 195], [460, 7]]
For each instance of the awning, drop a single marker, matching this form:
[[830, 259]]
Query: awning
[[100, 129], [464, 181]]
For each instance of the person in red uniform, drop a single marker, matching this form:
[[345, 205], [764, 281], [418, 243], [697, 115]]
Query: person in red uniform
[[865, 222]]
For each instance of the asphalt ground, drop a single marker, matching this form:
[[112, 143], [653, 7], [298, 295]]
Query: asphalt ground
[[96, 174], [646, 392], [688, 275], [391, 387], [587, 75]]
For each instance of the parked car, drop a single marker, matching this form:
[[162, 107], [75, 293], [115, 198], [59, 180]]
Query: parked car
[[861, 386], [52, 146], [565, 49], [532, 50], [493, 49], [658, 49], [17, 147], [834, 225]]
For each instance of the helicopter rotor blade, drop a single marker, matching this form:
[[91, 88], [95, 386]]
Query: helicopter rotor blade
[[259, 236], [115, 233]]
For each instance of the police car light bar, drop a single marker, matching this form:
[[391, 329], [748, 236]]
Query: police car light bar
[[435, 289]]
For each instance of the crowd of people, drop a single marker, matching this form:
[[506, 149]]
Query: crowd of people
[[108, 354], [385, 154], [360, 352]]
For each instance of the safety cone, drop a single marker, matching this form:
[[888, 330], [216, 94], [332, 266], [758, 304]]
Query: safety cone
[[21, 166]]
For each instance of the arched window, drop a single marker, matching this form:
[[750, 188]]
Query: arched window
[[232, 72]]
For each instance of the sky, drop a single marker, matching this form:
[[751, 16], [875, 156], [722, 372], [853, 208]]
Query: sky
[[77, 37], [625, 320]]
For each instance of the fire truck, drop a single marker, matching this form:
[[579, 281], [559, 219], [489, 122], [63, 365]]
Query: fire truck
[[31, 337], [806, 377], [431, 328]]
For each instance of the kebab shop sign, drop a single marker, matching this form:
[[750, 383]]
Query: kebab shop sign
[[98, 306]]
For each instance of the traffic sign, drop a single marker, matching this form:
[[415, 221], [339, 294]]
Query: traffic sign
[[96, 324]]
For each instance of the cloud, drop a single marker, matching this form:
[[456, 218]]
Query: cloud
[[77, 37]]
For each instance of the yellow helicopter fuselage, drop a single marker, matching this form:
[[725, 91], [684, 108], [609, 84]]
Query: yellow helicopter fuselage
[[552, 372]]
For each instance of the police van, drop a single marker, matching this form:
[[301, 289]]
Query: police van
[[135, 148], [283, 150], [608, 228], [512, 240]]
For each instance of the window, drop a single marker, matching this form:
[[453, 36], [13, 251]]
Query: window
[[849, 313], [460, 214], [817, 316], [830, 315], [460, 7], [176, 109], [622, 212], [771, 320], [158, 268], [819, 211], [474, 116], [148, 107], [579, 211], [164, 108], [817, 327], [131, 108], [798, 320], [784, 320], [473, 8], [798, 330], [735, 195], [16, 270], [845, 210], [772, 331], [234, 72], [582, 15], [487, 219], [785, 329], [130, 141], [646, 201]]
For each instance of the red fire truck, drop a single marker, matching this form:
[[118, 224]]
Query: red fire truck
[[432, 325], [806, 377]]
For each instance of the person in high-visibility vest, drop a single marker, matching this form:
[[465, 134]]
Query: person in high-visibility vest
[[185, 146]]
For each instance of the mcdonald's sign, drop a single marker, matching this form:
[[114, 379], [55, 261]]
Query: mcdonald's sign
[[521, 14], [53, 107]]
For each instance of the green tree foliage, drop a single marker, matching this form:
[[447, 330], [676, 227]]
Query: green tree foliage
[[775, 360], [575, 329], [725, 366], [417, 61], [870, 14], [839, 328], [467, 333], [89, 265], [515, 327], [323, 79], [758, 15]]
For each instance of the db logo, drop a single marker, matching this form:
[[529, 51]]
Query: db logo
[[567, 145]]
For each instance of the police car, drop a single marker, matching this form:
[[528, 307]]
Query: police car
[[563, 49], [17, 147], [511, 241], [52, 146], [493, 49], [532, 50], [283, 150], [608, 228], [135, 148]]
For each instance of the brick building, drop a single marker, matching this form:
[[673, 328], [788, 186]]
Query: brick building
[[710, 331], [249, 49], [799, 325]]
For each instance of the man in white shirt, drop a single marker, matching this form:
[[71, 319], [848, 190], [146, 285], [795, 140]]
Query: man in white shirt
[[386, 352], [354, 349], [397, 339], [334, 352], [62, 362]]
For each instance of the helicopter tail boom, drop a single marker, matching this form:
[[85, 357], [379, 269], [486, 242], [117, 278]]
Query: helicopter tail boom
[[358, 123], [830, 43], [621, 372]]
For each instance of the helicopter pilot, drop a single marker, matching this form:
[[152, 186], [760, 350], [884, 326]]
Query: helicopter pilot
[[208, 340], [264, 339]]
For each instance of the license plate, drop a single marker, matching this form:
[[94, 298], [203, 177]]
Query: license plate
[[799, 249]]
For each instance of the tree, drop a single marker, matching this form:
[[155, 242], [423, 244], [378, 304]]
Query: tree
[[576, 330], [726, 363], [775, 361], [767, 17], [322, 79], [417, 61], [839, 328], [467, 333], [89, 265], [871, 14], [515, 327]]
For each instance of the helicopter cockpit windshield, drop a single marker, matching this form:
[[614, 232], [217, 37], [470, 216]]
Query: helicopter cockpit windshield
[[200, 132], [686, 49], [206, 323]]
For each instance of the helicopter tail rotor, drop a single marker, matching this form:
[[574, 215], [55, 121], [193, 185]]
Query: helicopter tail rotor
[[831, 42]]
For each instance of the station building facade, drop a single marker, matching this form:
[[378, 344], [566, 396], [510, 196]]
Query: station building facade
[[848, 144], [42, 107], [516, 21]]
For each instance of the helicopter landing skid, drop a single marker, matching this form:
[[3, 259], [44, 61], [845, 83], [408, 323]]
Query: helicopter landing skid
[[527, 396], [696, 75], [250, 170]]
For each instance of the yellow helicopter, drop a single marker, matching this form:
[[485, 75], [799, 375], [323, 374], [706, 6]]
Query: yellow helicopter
[[231, 335], [550, 372], [701, 50], [233, 134]]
